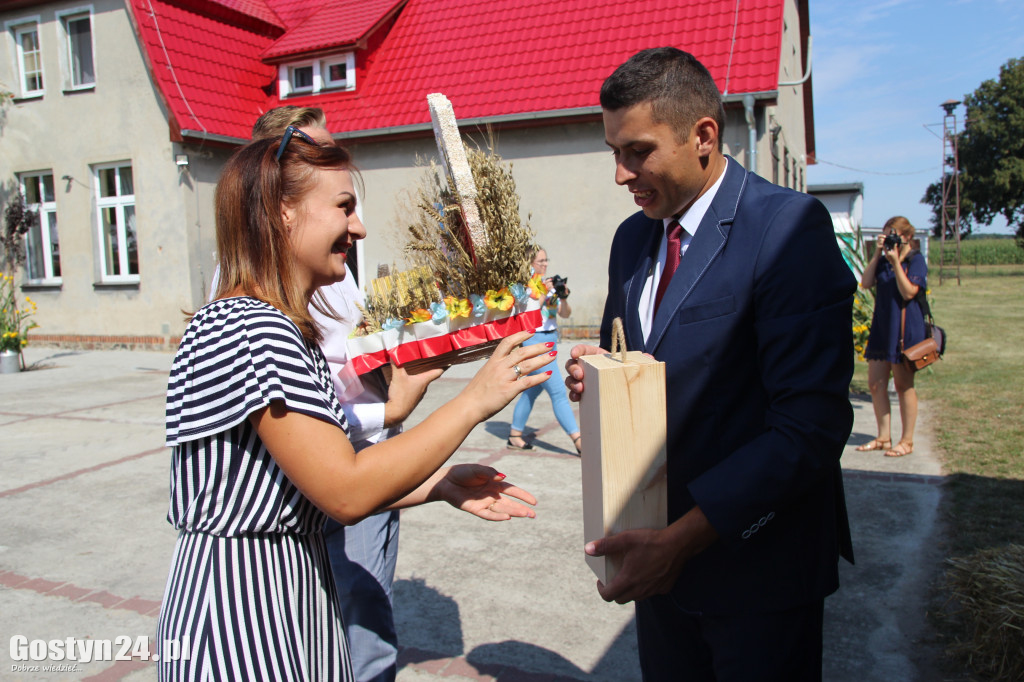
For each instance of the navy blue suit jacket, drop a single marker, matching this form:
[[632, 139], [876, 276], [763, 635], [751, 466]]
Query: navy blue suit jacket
[[755, 333]]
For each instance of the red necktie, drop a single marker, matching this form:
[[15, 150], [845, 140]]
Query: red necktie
[[675, 243]]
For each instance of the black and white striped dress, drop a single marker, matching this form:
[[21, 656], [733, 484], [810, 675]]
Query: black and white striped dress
[[250, 585]]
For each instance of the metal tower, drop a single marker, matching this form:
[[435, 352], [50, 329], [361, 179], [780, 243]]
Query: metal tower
[[950, 186]]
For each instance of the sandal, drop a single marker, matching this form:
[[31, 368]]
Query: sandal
[[576, 442], [904, 447], [512, 446], [876, 444]]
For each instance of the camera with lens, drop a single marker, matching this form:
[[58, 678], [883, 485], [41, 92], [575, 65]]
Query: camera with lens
[[558, 283], [892, 241]]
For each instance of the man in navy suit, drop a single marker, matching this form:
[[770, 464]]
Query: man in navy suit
[[738, 286]]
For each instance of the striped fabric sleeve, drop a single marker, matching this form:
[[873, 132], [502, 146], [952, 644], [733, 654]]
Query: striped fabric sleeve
[[236, 356]]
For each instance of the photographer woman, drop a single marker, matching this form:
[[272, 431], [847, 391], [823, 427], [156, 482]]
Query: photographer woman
[[260, 450], [556, 304], [900, 274]]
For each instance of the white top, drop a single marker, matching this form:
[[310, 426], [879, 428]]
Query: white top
[[363, 404], [689, 221]]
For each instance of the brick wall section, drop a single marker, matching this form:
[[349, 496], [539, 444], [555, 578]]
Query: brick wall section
[[88, 342], [583, 332], [166, 344]]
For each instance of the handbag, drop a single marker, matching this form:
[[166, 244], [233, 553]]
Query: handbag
[[926, 352]]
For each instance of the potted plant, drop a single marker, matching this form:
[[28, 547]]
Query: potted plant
[[14, 322], [14, 326]]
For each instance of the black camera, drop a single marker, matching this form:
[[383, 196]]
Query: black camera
[[558, 283], [892, 241]]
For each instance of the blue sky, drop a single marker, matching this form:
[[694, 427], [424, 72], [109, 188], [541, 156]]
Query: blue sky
[[881, 70]]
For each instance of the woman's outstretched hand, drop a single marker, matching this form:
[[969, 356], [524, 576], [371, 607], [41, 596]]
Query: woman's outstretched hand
[[480, 490], [505, 375]]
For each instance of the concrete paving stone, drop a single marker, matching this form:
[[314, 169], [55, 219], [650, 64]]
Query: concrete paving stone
[[85, 547], [49, 617]]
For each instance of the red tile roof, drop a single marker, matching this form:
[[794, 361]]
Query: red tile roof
[[335, 25], [491, 59]]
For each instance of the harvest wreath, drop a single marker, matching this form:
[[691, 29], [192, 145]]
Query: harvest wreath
[[470, 283]]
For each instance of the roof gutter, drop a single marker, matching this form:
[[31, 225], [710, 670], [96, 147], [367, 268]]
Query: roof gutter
[[473, 122], [482, 121], [204, 136], [527, 117], [741, 97]]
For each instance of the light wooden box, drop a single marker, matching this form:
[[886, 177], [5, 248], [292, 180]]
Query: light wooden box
[[622, 421]]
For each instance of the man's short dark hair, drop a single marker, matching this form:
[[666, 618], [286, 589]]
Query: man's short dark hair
[[680, 89]]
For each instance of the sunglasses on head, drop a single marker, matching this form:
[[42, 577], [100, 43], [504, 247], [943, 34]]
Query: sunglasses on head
[[288, 132]]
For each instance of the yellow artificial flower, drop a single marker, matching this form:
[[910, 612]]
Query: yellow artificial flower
[[419, 315], [500, 300], [537, 287], [457, 307]]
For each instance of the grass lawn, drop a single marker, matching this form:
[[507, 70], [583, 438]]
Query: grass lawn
[[975, 400], [975, 396]]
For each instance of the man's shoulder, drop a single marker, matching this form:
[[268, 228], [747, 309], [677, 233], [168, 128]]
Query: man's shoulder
[[634, 233], [765, 202], [636, 230]]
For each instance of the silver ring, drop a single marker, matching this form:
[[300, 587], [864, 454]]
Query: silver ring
[[519, 372]]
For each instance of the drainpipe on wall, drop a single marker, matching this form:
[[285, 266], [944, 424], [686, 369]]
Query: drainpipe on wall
[[748, 106]]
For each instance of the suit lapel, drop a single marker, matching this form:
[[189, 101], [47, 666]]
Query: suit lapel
[[705, 245], [634, 332]]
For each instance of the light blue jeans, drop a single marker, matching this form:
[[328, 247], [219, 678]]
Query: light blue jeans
[[555, 388], [363, 558]]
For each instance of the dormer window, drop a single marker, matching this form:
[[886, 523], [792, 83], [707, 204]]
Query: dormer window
[[301, 78], [310, 77]]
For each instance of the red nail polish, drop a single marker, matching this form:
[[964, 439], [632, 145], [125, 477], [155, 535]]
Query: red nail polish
[[547, 373], [500, 475], [553, 353], [550, 344]]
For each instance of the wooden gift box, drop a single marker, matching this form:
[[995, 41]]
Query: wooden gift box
[[622, 420]]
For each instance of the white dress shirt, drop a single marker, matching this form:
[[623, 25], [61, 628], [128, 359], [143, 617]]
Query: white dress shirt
[[689, 221]]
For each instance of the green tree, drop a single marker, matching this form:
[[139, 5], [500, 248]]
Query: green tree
[[991, 151]]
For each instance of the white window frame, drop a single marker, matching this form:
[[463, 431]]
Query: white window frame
[[119, 202], [68, 53], [43, 209], [286, 87], [349, 60], [17, 28]]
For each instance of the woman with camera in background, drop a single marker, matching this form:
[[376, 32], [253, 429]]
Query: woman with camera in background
[[900, 273], [555, 305]]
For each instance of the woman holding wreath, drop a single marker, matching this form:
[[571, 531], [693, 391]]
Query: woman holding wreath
[[899, 273], [260, 449]]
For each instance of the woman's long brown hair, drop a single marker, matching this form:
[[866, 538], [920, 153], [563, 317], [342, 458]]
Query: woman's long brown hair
[[252, 241]]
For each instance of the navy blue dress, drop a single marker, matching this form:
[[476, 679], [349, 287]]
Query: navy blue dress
[[884, 337]]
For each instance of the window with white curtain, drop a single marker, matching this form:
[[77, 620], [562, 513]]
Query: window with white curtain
[[29, 55], [42, 245], [117, 232], [76, 25], [307, 77]]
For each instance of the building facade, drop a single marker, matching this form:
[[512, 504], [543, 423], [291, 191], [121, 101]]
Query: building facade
[[125, 111]]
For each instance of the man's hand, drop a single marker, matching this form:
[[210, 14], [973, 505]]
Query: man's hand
[[481, 491], [652, 559], [574, 370], [405, 392]]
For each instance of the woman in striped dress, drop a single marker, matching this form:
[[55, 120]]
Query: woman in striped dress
[[260, 453]]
